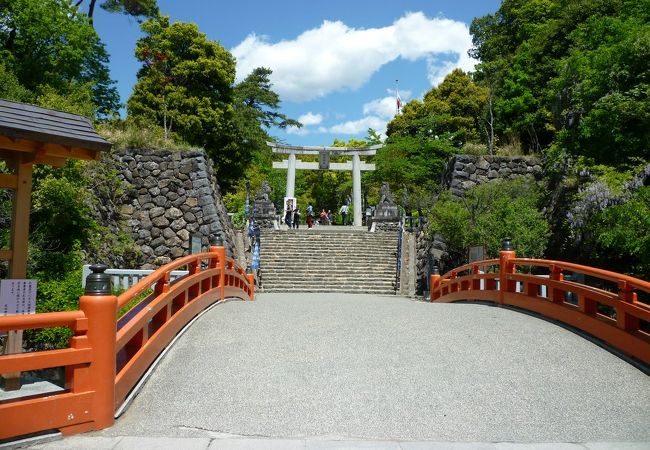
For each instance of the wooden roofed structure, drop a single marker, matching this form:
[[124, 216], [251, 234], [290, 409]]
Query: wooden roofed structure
[[33, 135]]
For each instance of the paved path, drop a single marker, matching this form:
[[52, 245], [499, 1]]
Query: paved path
[[384, 372]]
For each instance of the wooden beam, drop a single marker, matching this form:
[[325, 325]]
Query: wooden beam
[[63, 151], [6, 255], [18, 145], [44, 151], [8, 181], [22, 203]]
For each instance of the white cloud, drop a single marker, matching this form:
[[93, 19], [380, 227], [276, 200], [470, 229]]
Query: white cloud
[[302, 131], [310, 119], [334, 56], [307, 120], [385, 107], [360, 126]]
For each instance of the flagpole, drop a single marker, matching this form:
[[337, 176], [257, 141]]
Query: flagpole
[[398, 100]]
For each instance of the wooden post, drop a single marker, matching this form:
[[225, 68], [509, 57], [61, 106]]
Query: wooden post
[[221, 264], [505, 267], [101, 312], [22, 203]]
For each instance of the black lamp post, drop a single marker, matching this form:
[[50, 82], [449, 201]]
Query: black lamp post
[[98, 282]]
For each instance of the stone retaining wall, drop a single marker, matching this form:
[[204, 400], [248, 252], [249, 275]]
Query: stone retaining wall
[[170, 195], [466, 171]]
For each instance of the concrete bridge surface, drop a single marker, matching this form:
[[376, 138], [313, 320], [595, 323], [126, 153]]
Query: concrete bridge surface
[[359, 371]]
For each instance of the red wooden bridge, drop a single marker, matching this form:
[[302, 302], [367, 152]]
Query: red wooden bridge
[[108, 355]]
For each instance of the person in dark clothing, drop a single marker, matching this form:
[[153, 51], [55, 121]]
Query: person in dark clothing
[[296, 218], [287, 217]]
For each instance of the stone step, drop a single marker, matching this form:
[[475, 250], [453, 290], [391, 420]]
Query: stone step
[[328, 238], [313, 290], [342, 278], [330, 245], [338, 270], [308, 261]]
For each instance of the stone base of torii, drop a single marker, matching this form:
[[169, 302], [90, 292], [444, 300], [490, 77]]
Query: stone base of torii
[[355, 165]]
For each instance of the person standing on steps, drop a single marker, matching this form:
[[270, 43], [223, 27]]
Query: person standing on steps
[[310, 215], [296, 218], [344, 214], [287, 217]]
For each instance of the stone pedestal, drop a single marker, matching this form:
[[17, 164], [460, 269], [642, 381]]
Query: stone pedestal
[[386, 217], [264, 210]]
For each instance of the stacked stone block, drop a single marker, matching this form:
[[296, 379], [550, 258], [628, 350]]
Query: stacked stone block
[[466, 171], [170, 196]]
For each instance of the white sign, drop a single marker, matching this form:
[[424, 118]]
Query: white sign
[[17, 297]]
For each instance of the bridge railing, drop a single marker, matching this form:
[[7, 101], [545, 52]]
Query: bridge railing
[[607, 307], [108, 355], [125, 278]]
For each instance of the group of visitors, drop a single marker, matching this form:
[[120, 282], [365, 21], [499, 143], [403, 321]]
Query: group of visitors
[[292, 217]]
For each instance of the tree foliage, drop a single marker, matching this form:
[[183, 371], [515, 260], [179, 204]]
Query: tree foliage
[[43, 43], [185, 85], [489, 213], [134, 8], [569, 74], [453, 109]]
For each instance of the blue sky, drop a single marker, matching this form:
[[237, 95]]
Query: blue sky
[[335, 62]]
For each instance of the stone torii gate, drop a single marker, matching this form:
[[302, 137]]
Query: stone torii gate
[[355, 165]]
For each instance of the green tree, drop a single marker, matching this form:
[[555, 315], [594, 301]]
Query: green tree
[[620, 235], [568, 74], [454, 109], [487, 214], [44, 43], [255, 113], [185, 85], [134, 8], [10, 87]]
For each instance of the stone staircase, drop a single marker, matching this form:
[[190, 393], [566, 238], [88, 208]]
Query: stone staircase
[[328, 259]]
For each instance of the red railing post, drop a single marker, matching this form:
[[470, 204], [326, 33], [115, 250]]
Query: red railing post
[[505, 268], [251, 283], [623, 320], [434, 284], [100, 308], [220, 251], [476, 281], [556, 295]]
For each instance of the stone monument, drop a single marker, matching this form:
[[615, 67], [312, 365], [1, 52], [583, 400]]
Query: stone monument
[[386, 215], [264, 210]]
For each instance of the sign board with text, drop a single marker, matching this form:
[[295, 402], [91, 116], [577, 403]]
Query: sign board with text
[[17, 297], [196, 243]]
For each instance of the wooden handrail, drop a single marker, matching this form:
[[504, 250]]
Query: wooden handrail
[[575, 304], [72, 319], [103, 364], [586, 270]]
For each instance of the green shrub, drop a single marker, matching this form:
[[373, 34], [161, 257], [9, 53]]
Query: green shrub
[[487, 214]]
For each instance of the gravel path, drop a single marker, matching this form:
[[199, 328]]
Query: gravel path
[[340, 366]]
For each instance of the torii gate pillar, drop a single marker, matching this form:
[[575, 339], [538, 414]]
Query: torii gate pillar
[[291, 175], [356, 189], [356, 166]]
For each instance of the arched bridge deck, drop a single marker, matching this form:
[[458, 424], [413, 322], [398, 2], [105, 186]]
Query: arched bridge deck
[[340, 366]]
